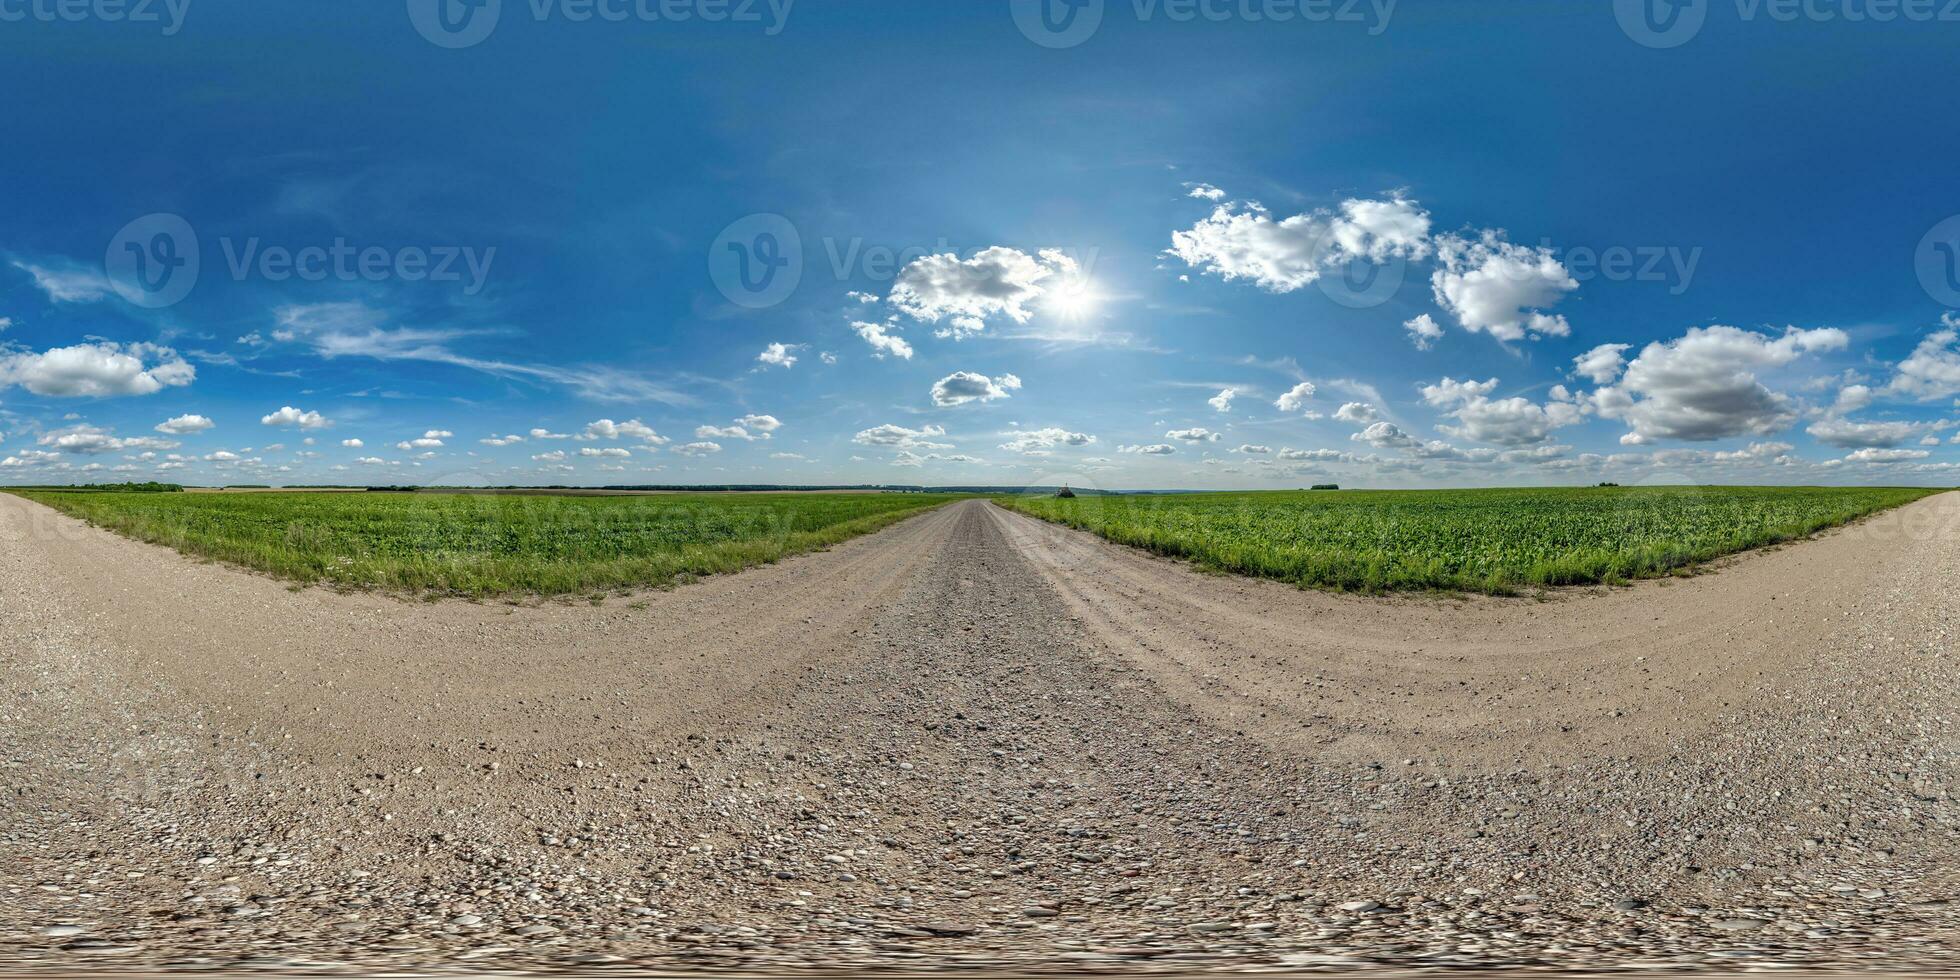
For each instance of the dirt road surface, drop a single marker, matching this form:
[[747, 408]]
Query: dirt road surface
[[975, 741]]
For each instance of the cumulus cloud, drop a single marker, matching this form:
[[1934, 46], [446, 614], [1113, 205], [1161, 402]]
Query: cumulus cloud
[[1886, 455], [352, 443], [779, 355], [1193, 435], [763, 424], [962, 387], [1503, 421], [610, 452], [184, 425], [1703, 385], [289, 415], [1357, 413], [1282, 255], [1255, 450], [1494, 286], [1932, 371], [431, 439], [698, 449], [723, 432], [1223, 400], [96, 370], [89, 440], [965, 293], [900, 437], [1847, 434], [1602, 364], [1423, 331], [883, 342], [1157, 450], [500, 441], [1204, 192], [554, 456], [1295, 398], [609, 429], [1039, 441]]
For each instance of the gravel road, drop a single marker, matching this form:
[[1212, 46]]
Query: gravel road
[[978, 741]]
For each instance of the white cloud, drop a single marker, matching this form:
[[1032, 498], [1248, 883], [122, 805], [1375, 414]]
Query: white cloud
[[184, 425], [289, 415], [1851, 398], [1205, 192], [497, 440], [962, 387], [67, 282], [1223, 400], [431, 439], [965, 294], [96, 370], [1157, 450], [554, 456], [1280, 256], [1039, 441], [883, 342], [903, 438], [1384, 435], [764, 424], [609, 429], [1493, 286], [1503, 421], [1295, 398], [1602, 364], [698, 449], [1846, 434], [1423, 331], [1357, 413], [1255, 450], [548, 434], [723, 432], [88, 440], [1703, 385], [352, 443], [1313, 455], [780, 355], [1886, 455], [1932, 371], [1193, 435], [610, 452]]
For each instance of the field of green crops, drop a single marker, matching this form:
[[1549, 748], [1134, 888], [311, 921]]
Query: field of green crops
[[1464, 540], [479, 544]]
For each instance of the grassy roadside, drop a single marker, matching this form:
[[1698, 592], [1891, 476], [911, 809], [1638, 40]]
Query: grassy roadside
[[477, 546], [1492, 541]]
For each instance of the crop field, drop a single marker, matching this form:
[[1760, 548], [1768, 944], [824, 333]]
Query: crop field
[[478, 545], [1468, 540]]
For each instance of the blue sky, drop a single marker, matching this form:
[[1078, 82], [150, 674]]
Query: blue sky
[[1422, 243]]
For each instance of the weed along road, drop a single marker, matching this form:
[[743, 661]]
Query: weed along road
[[975, 739]]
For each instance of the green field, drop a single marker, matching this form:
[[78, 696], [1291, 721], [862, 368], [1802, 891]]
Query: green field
[[1464, 540], [488, 544]]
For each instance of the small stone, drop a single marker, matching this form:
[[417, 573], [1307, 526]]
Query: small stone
[[1362, 905]]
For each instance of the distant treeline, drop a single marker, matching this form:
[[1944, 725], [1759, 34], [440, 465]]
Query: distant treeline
[[114, 488]]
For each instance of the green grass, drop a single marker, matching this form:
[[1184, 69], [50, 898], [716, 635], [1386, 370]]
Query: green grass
[[1465, 540], [483, 545]]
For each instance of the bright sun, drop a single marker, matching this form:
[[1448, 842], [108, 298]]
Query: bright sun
[[1073, 302]]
